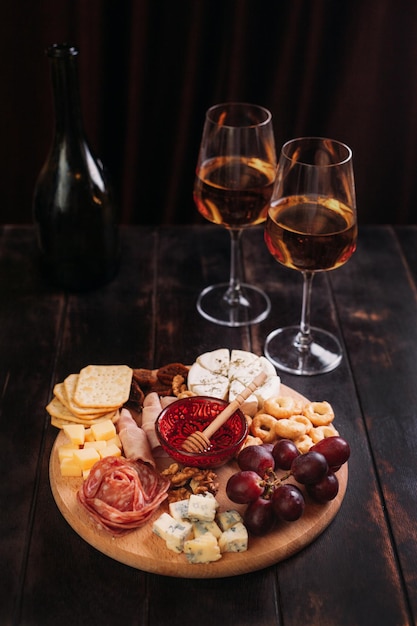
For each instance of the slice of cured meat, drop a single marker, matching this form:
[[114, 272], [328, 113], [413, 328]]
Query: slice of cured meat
[[121, 495], [151, 409], [134, 439]]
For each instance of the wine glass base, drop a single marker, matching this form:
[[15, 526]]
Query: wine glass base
[[252, 307], [322, 355]]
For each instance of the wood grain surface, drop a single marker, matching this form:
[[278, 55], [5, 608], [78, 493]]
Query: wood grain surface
[[360, 572]]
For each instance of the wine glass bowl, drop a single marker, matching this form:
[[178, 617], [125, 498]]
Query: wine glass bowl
[[311, 227], [234, 180]]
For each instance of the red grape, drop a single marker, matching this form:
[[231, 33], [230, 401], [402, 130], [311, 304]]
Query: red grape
[[244, 486], [309, 468], [288, 502], [325, 490], [256, 458], [284, 452], [259, 517], [261, 483], [335, 449]]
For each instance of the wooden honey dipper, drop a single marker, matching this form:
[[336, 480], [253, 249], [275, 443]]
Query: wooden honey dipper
[[200, 441]]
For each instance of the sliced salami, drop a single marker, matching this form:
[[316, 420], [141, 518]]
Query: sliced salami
[[120, 494]]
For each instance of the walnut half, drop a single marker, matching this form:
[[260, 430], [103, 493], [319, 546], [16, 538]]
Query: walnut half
[[188, 480]]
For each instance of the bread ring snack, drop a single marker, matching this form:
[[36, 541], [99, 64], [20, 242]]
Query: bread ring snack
[[304, 443], [290, 428], [251, 441], [280, 406], [322, 432], [302, 419], [263, 426], [319, 413]]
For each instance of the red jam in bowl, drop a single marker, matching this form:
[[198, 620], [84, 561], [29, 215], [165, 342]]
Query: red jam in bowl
[[183, 417]]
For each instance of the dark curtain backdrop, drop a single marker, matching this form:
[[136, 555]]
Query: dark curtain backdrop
[[149, 69]]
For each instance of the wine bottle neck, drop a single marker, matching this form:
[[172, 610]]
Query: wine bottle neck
[[65, 87]]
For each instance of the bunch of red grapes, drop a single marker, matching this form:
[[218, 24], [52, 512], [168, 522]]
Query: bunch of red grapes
[[268, 496]]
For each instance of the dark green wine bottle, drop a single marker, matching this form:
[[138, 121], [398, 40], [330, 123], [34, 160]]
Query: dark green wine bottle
[[74, 210]]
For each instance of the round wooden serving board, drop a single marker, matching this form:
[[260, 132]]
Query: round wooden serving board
[[143, 550]]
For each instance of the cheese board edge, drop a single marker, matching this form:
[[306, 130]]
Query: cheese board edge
[[142, 549]]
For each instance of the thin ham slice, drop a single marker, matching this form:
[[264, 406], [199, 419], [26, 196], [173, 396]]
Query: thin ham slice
[[134, 440], [121, 495], [167, 400], [150, 411]]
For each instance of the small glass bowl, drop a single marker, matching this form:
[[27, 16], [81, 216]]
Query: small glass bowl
[[183, 417]]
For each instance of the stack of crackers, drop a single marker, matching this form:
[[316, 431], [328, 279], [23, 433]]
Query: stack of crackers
[[93, 395]]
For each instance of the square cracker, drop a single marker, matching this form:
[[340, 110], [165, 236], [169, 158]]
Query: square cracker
[[65, 392], [59, 411], [58, 422], [103, 386]]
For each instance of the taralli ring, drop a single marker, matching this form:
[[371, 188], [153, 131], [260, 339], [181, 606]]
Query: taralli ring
[[304, 443], [322, 432], [251, 441], [263, 426], [280, 407], [302, 419], [319, 413], [290, 428]]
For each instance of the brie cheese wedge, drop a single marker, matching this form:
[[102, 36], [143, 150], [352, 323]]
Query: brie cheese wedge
[[204, 382], [223, 374], [216, 361]]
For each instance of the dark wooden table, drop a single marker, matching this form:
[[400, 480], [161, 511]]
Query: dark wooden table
[[361, 571]]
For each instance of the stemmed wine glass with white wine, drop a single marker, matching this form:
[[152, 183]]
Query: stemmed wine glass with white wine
[[233, 186], [311, 227]]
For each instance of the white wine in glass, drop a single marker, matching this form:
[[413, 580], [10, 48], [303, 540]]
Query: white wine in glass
[[311, 227], [233, 186]]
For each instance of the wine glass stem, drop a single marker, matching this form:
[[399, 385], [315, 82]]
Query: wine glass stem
[[233, 293], [303, 339]]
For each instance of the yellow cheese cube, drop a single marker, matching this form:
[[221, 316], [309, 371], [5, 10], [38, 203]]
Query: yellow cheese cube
[[110, 450], [76, 433], [88, 435], [70, 467], [116, 441], [66, 451], [97, 445], [103, 430], [86, 473], [86, 457]]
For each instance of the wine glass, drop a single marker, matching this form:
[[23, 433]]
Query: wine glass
[[311, 227], [233, 186]]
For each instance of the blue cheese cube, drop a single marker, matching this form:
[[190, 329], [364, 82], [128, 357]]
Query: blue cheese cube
[[201, 528], [179, 509], [204, 549], [234, 539], [227, 519], [173, 531], [202, 508]]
